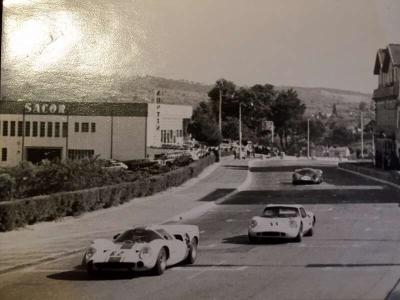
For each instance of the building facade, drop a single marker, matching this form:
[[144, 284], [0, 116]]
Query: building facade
[[34, 131], [387, 108]]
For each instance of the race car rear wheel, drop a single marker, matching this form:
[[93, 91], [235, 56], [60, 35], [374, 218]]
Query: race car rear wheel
[[310, 232], [299, 236], [92, 270], [161, 263], [252, 239], [191, 258]]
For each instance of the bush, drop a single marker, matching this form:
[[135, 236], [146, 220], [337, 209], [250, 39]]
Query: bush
[[7, 185], [183, 160], [18, 213]]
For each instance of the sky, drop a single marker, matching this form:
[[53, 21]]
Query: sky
[[312, 43]]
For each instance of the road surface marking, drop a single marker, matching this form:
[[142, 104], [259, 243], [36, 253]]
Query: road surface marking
[[207, 246], [203, 231], [205, 270], [211, 268]]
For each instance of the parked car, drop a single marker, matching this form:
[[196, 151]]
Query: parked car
[[143, 248], [307, 175], [115, 165], [282, 221]]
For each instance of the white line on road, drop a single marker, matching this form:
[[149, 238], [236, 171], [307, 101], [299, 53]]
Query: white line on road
[[207, 246], [211, 268], [355, 245], [205, 270]]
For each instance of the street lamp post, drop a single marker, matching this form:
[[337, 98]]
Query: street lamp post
[[362, 134], [220, 120], [240, 130], [220, 112], [308, 138]]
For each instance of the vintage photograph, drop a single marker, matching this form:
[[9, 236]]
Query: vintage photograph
[[200, 149]]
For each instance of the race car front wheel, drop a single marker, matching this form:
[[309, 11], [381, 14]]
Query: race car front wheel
[[192, 252], [91, 269], [161, 263]]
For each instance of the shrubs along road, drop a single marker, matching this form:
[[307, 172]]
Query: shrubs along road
[[54, 190]]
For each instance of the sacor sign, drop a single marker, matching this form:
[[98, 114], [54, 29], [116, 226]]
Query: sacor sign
[[45, 108]]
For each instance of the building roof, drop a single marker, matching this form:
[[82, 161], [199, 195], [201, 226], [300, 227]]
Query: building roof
[[384, 56], [394, 51], [74, 108]]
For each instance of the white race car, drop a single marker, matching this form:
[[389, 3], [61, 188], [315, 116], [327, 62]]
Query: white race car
[[307, 175], [144, 248], [282, 221]]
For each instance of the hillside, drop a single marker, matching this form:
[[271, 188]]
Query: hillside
[[323, 99], [66, 87]]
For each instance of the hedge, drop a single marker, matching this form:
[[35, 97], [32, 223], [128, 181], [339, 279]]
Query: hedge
[[17, 213]]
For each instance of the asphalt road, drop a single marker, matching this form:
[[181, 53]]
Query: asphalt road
[[354, 253]]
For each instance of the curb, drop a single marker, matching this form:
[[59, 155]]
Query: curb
[[370, 177], [40, 261], [195, 212]]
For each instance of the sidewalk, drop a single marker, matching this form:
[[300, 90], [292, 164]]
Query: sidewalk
[[391, 178], [45, 241]]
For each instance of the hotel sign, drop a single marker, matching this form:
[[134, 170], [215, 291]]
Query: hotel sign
[[44, 108]]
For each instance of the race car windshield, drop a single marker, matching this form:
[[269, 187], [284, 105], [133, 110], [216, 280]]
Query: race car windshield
[[306, 172], [280, 212], [138, 235]]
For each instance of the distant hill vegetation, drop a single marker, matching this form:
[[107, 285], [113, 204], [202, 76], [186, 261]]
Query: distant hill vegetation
[[66, 87]]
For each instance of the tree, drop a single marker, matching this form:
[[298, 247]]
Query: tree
[[228, 90], [203, 127], [317, 129], [340, 136], [286, 111], [334, 110]]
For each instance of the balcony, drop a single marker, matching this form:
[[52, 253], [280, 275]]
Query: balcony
[[388, 92]]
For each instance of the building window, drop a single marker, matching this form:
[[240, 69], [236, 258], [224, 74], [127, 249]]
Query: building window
[[12, 128], [3, 154], [85, 127], [93, 125], [64, 129], [42, 129], [57, 129], [49, 129], [27, 128], [34, 128], [20, 128], [76, 127], [79, 153], [5, 128]]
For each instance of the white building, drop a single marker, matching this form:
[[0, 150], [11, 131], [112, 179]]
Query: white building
[[34, 131]]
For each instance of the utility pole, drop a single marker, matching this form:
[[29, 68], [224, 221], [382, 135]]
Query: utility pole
[[308, 138], [362, 134], [220, 121], [240, 130], [220, 112]]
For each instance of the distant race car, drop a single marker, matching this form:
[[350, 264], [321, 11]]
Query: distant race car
[[307, 175], [144, 248], [282, 221]]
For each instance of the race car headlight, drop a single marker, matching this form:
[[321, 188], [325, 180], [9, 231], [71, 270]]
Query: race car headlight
[[293, 223], [253, 223], [145, 253], [90, 252]]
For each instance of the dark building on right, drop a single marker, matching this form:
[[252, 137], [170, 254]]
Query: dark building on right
[[387, 108]]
